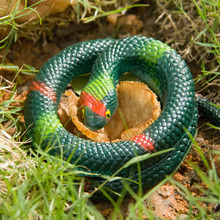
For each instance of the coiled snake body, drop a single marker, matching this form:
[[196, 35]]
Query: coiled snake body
[[150, 60]]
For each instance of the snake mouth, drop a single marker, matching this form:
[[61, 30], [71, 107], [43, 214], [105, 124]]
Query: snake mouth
[[93, 120]]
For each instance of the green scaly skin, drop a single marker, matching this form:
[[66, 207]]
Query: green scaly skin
[[150, 60]]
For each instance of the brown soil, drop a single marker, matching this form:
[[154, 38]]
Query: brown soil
[[167, 202]]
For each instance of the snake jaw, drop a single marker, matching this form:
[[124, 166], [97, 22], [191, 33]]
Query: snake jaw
[[92, 120]]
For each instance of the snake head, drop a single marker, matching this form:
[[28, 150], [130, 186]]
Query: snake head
[[93, 120], [95, 114]]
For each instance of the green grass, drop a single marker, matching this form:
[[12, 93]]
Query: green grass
[[210, 194], [206, 25], [9, 114], [209, 12], [40, 187], [35, 185]]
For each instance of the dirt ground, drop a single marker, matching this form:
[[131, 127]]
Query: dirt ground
[[167, 202]]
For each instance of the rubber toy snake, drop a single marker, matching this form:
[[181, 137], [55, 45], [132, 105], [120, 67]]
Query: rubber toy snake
[[153, 62]]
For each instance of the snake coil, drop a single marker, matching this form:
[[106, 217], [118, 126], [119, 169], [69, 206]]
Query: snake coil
[[151, 61]]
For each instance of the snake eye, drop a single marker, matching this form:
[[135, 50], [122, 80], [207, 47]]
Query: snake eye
[[108, 114], [83, 113]]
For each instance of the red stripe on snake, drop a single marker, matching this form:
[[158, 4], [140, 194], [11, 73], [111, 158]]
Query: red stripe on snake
[[144, 142], [43, 88]]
